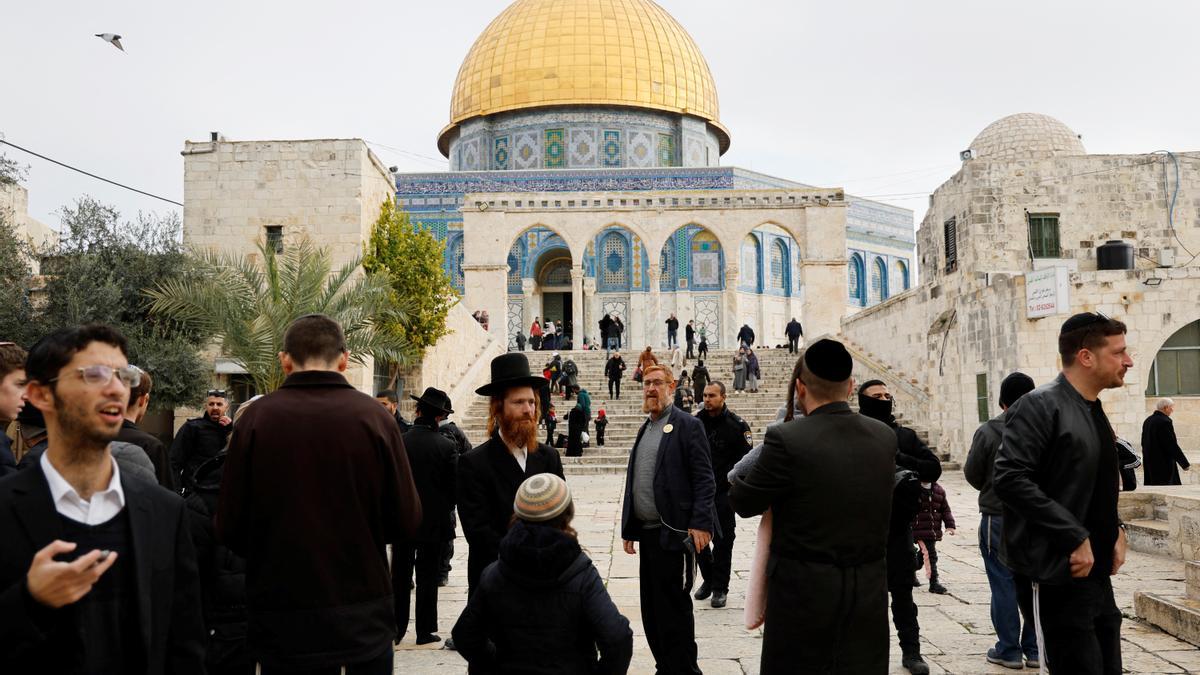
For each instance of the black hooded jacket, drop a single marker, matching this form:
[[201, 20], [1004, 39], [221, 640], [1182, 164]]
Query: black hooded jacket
[[542, 608], [222, 572]]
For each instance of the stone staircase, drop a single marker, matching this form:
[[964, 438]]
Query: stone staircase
[[625, 414], [1165, 521]]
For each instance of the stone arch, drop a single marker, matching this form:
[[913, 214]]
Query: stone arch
[[1174, 369], [878, 289], [542, 230], [903, 273], [856, 273]]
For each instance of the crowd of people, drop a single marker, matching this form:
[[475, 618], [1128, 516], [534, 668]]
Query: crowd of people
[[244, 549]]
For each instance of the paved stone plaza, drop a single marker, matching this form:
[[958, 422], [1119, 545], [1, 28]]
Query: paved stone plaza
[[955, 628]]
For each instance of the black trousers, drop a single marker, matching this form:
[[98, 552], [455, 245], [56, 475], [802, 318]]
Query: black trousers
[[426, 557], [379, 665], [900, 564], [478, 558], [716, 560], [666, 606], [691, 344], [599, 437], [614, 388], [704, 351], [825, 619], [1078, 624], [792, 344]]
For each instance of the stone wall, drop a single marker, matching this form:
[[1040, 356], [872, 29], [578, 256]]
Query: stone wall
[[328, 190], [458, 364], [14, 205]]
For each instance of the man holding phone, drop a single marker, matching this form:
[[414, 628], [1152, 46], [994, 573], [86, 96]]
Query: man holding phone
[[1057, 476], [668, 508]]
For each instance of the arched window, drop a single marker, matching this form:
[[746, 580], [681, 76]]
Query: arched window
[[854, 275], [751, 265], [454, 255], [667, 273], [779, 271], [902, 269], [705, 266], [516, 259], [1176, 369], [557, 273], [879, 290], [614, 262]]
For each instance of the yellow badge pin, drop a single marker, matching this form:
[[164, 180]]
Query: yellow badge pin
[[669, 428]]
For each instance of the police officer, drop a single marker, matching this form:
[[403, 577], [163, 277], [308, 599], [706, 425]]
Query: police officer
[[729, 439]]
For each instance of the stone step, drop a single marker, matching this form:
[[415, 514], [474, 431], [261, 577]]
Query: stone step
[[1178, 616], [1149, 536]]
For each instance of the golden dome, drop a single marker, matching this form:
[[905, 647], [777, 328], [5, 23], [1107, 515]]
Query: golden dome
[[583, 52]]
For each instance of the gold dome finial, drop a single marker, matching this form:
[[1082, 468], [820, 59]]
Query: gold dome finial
[[540, 53]]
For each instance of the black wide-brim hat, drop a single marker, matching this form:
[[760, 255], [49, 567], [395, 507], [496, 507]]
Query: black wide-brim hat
[[508, 371], [435, 399]]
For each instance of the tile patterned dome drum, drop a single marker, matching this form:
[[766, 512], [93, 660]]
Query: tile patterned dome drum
[[1026, 135], [541, 53]]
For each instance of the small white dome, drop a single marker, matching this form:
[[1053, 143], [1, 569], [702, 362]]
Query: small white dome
[[1026, 135]]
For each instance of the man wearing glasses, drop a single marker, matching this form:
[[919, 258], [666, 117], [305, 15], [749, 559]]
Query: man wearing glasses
[[97, 571], [202, 438], [669, 509]]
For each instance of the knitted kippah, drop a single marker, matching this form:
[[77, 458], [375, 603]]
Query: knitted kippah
[[541, 497], [829, 360]]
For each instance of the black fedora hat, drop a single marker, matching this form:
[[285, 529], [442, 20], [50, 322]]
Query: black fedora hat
[[508, 371], [436, 399]]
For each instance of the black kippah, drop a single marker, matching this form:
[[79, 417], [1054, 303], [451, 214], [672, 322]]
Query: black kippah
[[829, 360], [1079, 321]]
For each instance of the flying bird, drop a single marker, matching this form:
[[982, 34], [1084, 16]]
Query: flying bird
[[111, 38]]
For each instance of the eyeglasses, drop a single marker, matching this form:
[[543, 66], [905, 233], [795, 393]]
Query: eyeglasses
[[100, 375], [217, 392], [654, 384]]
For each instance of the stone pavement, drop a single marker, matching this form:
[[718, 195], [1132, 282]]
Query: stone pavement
[[955, 628]]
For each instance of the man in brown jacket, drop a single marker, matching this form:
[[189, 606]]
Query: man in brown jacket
[[316, 485]]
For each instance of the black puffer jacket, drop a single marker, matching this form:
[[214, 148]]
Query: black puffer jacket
[[542, 608], [222, 572]]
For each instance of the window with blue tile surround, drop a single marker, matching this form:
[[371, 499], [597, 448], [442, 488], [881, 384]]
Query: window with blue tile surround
[[854, 276], [778, 265], [614, 262], [751, 265]]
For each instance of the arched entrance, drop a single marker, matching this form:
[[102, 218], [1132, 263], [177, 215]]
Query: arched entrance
[[552, 272]]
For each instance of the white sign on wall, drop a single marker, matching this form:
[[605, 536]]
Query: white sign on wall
[[1047, 292]]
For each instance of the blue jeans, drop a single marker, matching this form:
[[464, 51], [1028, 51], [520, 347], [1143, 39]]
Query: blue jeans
[[1006, 618]]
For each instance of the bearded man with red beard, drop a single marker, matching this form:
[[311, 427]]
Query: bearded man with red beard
[[489, 475]]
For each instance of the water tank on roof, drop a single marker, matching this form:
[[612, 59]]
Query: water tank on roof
[[1114, 255]]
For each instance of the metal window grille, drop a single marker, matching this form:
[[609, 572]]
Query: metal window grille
[[275, 238], [951, 235], [1043, 235], [615, 260], [778, 255]]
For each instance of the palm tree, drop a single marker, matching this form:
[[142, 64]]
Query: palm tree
[[246, 305]]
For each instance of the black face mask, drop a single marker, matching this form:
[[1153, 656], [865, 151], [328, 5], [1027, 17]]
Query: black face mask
[[877, 408]]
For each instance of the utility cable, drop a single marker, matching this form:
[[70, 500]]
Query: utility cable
[[90, 175]]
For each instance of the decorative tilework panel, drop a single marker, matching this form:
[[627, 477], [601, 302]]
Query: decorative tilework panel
[[471, 155], [555, 149], [527, 151], [751, 262], [638, 256], [583, 148], [705, 260], [516, 257], [611, 157], [666, 267], [666, 150], [614, 250], [640, 150], [708, 315], [616, 306], [516, 319], [455, 256], [500, 154], [778, 258]]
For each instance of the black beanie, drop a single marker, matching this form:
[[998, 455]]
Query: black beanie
[[1014, 387]]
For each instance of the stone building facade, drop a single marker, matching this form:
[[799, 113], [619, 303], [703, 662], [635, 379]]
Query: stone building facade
[[1029, 199], [238, 194]]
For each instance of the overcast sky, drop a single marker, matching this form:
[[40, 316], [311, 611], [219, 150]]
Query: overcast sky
[[876, 97]]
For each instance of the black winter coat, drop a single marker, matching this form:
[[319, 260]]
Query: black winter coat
[[1161, 451], [155, 450], [577, 423], [614, 367], [432, 458], [542, 608], [451, 430], [222, 572], [729, 439], [488, 478], [198, 441], [980, 463], [700, 380], [746, 334]]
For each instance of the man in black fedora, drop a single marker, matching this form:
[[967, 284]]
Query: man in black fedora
[[432, 458], [489, 475]]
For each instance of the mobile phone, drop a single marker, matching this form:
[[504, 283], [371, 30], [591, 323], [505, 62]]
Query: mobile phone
[[103, 556]]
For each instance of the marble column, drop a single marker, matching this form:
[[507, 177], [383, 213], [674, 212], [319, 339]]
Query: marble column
[[591, 308], [656, 329], [730, 308], [578, 325], [528, 310]]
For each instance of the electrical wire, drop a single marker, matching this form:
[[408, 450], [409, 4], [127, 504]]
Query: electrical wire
[[90, 175]]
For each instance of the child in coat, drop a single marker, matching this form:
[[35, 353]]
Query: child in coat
[[601, 423], [927, 529]]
